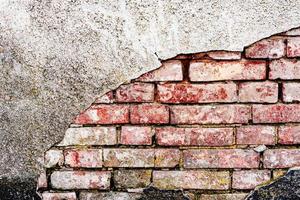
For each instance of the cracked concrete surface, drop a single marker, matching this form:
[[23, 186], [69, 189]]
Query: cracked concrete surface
[[57, 56]]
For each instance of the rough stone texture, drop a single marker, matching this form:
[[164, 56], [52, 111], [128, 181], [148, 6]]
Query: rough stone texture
[[285, 188], [56, 56], [238, 196], [109, 196], [154, 193]]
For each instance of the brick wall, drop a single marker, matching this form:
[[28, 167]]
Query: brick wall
[[214, 124]]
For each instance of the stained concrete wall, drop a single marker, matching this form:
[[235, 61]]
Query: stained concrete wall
[[57, 56]]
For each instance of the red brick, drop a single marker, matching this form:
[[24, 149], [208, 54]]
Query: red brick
[[289, 134], [136, 135], [172, 136], [281, 158], [285, 69], [225, 55], [169, 71], [59, 196], [256, 135], [149, 114], [210, 114], [266, 48], [88, 158], [128, 157], [220, 158], [135, 92], [261, 92], [69, 180], [192, 179], [167, 157], [89, 136], [293, 47], [234, 196], [249, 179], [227, 70], [197, 93], [276, 113], [104, 114], [291, 92], [106, 98]]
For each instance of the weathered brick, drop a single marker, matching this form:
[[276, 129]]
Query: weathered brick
[[136, 135], [167, 157], [89, 136], [42, 182], [197, 93], [266, 48], [256, 135], [293, 32], [227, 70], [68, 180], [289, 134], [88, 158], [59, 196], [149, 114], [249, 179], [128, 157], [106, 98], [277, 173], [169, 71], [109, 196], [53, 157], [104, 114], [291, 92], [135, 92], [284, 69], [265, 92], [173, 136], [132, 178], [210, 114], [276, 113], [220, 158], [192, 179], [293, 47], [225, 55], [234, 196], [281, 158]]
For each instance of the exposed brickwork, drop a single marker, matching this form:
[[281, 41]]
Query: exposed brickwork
[[213, 124]]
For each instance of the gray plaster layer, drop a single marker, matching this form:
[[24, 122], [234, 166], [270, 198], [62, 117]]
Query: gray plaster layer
[[57, 56]]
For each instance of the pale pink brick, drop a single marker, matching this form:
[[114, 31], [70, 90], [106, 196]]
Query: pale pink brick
[[42, 182], [192, 179], [210, 114], [135, 92], [293, 32], [249, 179], [256, 135], [169, 71], [173, 136], [104, 114], [89, 136], [149, 114], [136, 135], [59, 196], [106, 98], [227, 70], [266, 48], [128, 158], [70, 180], [88, 158], [53, 157], [234, 196], [167, 157], [285, 69], [261, 92], [289, 134], [225, 55], [276, 113], [281, 158], [293, 47], [197, 93], [220, 158], [291, 92]]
